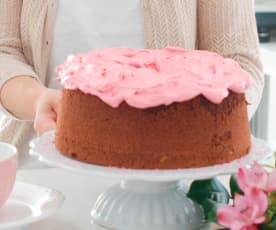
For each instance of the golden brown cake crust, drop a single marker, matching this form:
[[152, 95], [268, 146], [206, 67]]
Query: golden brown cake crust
[[182, 135]]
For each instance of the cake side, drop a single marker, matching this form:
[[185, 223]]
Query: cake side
[[188, 134]]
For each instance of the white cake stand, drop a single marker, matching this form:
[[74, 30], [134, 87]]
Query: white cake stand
[[145, 199]]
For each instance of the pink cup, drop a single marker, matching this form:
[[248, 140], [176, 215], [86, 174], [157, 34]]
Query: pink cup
[[8, 165]]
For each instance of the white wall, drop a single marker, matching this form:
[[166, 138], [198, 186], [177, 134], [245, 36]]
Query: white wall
[[268, 53]]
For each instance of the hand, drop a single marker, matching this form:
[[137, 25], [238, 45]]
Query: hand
[[46, 110]]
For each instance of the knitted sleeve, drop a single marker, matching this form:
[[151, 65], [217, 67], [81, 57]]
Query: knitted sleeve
[[228, 27], [12, 60]]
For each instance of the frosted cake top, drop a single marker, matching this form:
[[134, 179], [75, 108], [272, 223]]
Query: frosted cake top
[[148, 78]]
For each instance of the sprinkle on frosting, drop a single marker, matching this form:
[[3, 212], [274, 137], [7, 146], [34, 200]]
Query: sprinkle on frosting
[[149, 78]]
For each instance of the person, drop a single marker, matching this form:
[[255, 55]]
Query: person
[[37, 36]]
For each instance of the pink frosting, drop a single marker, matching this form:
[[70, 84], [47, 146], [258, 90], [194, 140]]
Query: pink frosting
[[148, 78]]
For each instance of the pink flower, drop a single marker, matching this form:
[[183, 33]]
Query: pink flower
[[256, 177], [247, 212], [250, 228]]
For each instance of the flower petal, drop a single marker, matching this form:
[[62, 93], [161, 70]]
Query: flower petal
[[260, 199], [242, 179], [252, 205], [259, 220], [241, 203], [255, 177], [259, 176], [229, 217], [271, 184], [252, 227]]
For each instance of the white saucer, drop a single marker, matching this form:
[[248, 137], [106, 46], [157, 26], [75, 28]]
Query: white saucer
[[27, 204], [44, 149]]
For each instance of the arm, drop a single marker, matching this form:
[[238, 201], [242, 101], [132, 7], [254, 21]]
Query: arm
[[22, 96], [12, 62], [228, 27], [18, 96]]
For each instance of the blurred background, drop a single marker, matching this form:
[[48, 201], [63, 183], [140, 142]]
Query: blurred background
[[263, 124]]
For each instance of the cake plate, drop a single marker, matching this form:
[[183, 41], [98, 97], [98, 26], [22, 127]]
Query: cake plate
[[146, 199]]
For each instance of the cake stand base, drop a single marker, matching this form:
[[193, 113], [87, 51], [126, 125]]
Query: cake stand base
[[142, 205]]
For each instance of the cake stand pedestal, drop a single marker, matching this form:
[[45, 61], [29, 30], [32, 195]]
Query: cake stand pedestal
[[141, 205], [146, 199]]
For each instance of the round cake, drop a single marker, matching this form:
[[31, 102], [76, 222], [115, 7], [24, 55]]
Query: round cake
[[153, 109]]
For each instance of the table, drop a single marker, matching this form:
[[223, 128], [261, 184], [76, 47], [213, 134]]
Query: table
[[80, 193]]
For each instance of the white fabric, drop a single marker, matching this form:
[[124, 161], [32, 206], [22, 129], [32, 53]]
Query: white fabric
[[84, 25], [90, 24]]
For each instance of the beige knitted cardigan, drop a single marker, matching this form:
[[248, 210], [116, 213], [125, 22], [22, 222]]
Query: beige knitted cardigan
[[224, 26]]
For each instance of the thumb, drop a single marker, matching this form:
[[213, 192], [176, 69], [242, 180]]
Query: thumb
[[55, 103], [45, 125]]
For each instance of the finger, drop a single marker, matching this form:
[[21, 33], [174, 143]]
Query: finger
[[55, 102], [45, 121], [46, 111], [45, 125]]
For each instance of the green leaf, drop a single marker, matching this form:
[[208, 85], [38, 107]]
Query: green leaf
[[234, 187], [210, 210], [269, 215], [272, 201], [268, 166], [208, 189], [272, 224], [210, 194], [269, 226]]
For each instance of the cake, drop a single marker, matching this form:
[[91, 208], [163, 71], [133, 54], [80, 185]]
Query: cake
[[152, 109]]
